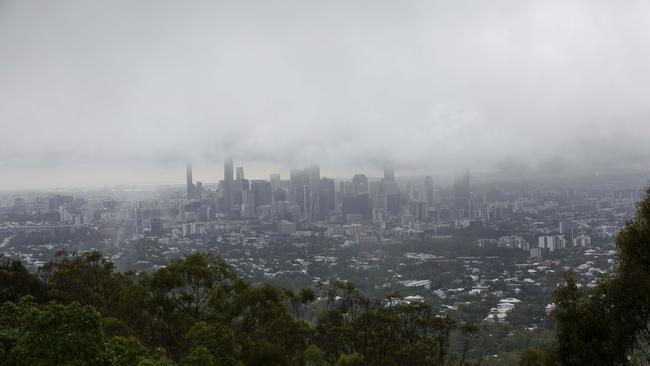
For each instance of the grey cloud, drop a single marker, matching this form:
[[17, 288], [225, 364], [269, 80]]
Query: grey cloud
[[425, 85]]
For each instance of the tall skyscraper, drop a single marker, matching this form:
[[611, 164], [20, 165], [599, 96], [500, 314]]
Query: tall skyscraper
[[327, 196], [299, 185], [313, 174], [305, 188], [139, 221], [262, 193], [198, 191], [275, 185], [190, 184], [462, 195], [239, 173], [389, 173], [360, 183], [428, 189], [228, 186]]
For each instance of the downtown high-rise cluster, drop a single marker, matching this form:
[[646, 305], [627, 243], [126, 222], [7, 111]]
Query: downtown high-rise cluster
[[308, 197]]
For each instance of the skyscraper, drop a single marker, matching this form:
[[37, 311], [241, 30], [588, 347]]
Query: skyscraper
[[190, 184], [462, 195], [428, 189], [305, 188], [262, 193], [239, 173], [327, 196], [360, 183], [389, 173], [139, 221], [299, 186], [227, 185], [313, 174], [275, 185]]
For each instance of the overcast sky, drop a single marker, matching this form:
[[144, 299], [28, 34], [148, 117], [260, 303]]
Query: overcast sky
[[103, 92]]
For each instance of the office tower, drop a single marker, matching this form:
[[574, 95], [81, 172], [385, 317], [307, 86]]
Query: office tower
[[357, 204], [304, 190], [261, 192], [228, 186], [198, 192], [190, 184], [418, 210], [327, 196], [360, 183], [392, 203], [240, 188], [313, 174], [428, 190], [139, 221], [156, 226], [389, 173], [275, 185], [376, 198], [181, 212], [462, 195], [298, 187], [390, 193]]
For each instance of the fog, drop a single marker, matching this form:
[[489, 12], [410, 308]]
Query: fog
[[128, 91]]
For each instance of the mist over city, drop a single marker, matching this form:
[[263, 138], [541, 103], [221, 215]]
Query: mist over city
[[324, 183], [136, 89]]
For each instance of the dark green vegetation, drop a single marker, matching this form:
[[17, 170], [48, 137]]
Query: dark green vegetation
[[77, 310], [609, 324]]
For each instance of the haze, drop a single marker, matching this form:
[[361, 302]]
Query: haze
[[128, 91]]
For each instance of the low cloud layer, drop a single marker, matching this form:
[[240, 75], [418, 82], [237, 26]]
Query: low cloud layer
[[94, 91]]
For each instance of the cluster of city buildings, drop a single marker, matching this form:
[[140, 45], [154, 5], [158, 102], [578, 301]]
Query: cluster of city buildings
[[458, 245]]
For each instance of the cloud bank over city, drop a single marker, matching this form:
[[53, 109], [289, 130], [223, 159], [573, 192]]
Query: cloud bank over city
[[91, 89]]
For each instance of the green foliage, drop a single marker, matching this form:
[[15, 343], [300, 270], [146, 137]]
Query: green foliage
[[314, 356], [16, 282], [195, 311], [604, 326], [381, 333], [212, 343], [354, 359], [534, 357], [54, 334]]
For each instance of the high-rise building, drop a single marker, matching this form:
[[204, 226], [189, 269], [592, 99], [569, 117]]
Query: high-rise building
[[228, 186], [299, 188], [428, 190], [262, 193], [275, 185], [357, 204], [198, 192], [327, 196], [389, 173], [360, 183], [313, 175], [156, 226], [139, 221], [304, 189], [240, 173], [462, 195], [190, 184]]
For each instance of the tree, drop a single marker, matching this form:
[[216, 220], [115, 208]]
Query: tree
[[603, 326], [55, 334], [16, 281], [533, 357], [212, 344], [469, 332]]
